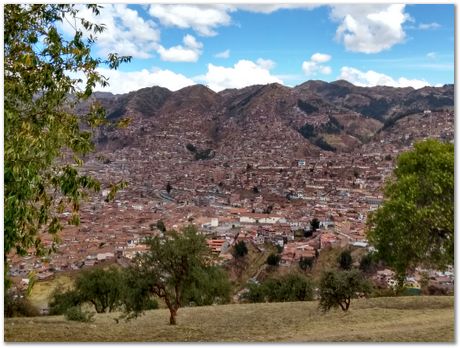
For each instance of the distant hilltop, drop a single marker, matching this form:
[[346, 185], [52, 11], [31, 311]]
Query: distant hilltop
[[330, 116]]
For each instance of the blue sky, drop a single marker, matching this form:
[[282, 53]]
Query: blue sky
[[232, 46]]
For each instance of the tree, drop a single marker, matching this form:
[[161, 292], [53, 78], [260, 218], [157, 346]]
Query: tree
[[368, 263], [290, 287], [415, 224], [305, 263], [172, 266], [240, 250], [273, 259], [314, 224], [102, 288], [168, 188], [345, 260], [210, 285], [337, 288], [41, 179], [61, 301], [161, 226]]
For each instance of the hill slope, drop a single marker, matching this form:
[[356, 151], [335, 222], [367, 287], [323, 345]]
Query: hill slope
[[403, 319]]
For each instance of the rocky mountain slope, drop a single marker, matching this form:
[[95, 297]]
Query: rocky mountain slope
[[310, 117]]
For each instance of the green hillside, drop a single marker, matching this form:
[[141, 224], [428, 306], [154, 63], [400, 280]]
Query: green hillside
[[429, 319]]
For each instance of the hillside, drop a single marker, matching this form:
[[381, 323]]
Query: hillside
[[401, 319]]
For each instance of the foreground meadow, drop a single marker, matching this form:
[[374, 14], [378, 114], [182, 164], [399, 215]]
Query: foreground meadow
[[400, 319]]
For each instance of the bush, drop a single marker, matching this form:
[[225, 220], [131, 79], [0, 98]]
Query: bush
[[368, 263], [345, 260], [255, 294], [273, 260], [305, 263], [240, 250], [61, 301], [16, 306], [291, 287], [338, 288], [77, 314]]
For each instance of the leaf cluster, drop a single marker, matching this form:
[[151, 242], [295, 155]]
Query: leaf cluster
[[415, 224]]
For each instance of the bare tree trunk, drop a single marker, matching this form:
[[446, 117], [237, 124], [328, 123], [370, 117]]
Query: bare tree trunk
[[172, 318]]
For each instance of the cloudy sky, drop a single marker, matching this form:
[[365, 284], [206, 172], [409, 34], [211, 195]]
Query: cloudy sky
[[232, 46]]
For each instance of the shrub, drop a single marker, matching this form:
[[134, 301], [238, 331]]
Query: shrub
[[305, 263], [61, 301], [291, 287], [338, 288], [240, 250], [273, 260], [77, 314], [345, 260], [16, 306]]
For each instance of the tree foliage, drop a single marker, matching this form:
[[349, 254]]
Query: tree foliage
[[44, 140], [240, 250], [415, 224], [102, 288], [175, 267], [337, 288], [314, 224], [290, 287], [345, 260], [273, 259]]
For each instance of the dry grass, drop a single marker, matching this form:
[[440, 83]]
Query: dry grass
[[409, 319]]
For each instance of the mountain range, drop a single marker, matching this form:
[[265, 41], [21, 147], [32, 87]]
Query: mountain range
[[305, 119]]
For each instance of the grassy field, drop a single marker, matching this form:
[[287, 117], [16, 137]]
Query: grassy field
[[401, 319]]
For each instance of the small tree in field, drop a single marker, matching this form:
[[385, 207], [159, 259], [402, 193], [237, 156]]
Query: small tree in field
[[102, 288], [241, 250], [173, 266], [345, 260], [336, 289]]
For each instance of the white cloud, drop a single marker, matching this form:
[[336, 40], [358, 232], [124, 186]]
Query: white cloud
[[314, 65], [370, 28], [320, 58], [269, 8], [427, 26], [201, 18], [267, 64], [243, 73], [372, 78], [224, 54], [190, 52], [431, 55], [126, 32], [124, 82]]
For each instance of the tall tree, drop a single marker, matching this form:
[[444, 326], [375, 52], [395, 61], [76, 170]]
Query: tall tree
[[174, 266], [44, 140], [415, 224], [102, 288], [337, 288]]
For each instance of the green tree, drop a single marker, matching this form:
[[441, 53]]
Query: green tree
[[415, 224], [102, 288], [273, 259], [306, 263], [161, 226], [171, 265], [368, 263], [290, 287], [314, 224], [61, 301], [210, 285], [240, 250], [337, 288], [345, 260], [44, 141]]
